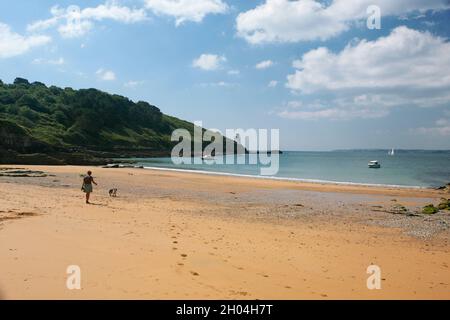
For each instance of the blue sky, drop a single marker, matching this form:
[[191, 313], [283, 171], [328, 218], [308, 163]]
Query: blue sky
[[311, 69]]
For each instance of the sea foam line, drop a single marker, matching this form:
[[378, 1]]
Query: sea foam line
[[318, 181]]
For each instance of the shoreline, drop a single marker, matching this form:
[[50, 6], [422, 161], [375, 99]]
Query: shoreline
[[317, 181], [300, 184]]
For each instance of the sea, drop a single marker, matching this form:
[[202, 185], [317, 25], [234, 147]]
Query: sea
[[407, 168]]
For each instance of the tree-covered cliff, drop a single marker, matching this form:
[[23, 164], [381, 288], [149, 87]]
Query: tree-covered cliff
[[40, 124]]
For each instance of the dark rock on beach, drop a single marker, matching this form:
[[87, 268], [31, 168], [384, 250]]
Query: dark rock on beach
[[23, 173]]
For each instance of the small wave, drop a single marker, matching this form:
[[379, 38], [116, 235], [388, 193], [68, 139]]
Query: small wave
[[318, 181]]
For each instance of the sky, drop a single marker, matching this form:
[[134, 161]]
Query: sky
[[322, 72]]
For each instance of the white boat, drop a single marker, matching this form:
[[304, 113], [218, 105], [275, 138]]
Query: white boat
[[392, 152], [374, 164]]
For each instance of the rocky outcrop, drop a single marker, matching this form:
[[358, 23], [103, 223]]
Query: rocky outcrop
[[14, 137], [445, 188]]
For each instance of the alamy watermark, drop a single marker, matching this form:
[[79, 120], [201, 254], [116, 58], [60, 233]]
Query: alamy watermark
[[374, 17], [250, 146], [374, 280], [73, 281]]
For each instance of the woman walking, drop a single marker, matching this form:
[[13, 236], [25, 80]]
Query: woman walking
[[87, 185]]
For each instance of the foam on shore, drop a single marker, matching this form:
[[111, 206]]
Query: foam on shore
[[318, 181]]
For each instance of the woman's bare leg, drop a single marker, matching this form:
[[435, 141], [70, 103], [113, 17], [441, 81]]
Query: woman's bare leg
[[87, 197]]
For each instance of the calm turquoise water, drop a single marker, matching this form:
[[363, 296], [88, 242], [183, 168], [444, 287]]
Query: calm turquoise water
[[406, 168]]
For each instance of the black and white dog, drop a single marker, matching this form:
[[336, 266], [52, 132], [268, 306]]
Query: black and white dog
[[113, 192]]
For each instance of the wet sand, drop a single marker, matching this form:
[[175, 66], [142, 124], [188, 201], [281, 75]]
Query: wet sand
[[171, 235]]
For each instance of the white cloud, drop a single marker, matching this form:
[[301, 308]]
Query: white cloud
[[219, 84], [337, 109], [429, 24], [75, 22], [111, 10], [264, 64], [287, 21], [405, 59], [443, 122], [367, 78], [81, 74], [331, 113], [75, 28], [209, 62], [306, 20], [308, 115], [187, 10], [273, 84], [105, 75], [441, 131], [133, 84], [13, 44], [60, 61], [234, 72], [441, 128]]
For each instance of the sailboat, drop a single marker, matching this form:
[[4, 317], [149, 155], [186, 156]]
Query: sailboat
[[392, 152]]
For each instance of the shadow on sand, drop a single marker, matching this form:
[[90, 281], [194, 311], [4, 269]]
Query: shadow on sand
[[97, 204]]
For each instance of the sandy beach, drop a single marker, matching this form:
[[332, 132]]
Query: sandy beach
[[172, 235]]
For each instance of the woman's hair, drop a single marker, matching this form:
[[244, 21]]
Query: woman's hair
[[89, 172]]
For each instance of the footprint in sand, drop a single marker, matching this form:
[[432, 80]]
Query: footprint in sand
[[239, 293], [184, 255], [194, 273]]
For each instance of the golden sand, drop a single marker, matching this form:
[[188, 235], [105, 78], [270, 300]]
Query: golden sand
[[171, 235]]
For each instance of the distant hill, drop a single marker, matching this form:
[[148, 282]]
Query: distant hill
[[51, 125]]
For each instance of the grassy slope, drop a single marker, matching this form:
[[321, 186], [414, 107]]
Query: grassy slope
[[69, 125]]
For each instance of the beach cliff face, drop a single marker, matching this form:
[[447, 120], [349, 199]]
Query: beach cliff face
[[51, 125], [15, 137], [173, 235]]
